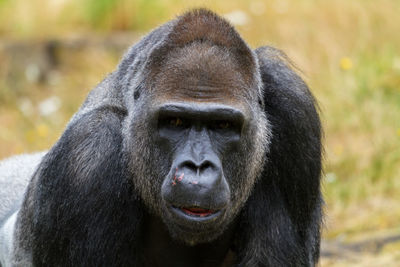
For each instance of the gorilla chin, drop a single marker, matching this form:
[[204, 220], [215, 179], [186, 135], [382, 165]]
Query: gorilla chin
[[194, 228]]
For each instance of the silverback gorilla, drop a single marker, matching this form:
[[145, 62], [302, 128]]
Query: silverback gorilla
[[196, 151]]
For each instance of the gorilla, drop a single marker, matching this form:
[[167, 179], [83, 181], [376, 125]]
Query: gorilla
[[195, 151]]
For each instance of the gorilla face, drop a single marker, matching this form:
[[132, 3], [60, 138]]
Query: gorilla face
[[204, 127], [196, 193]]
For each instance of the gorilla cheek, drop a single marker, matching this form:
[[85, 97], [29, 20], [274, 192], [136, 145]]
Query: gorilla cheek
[[147, 167]]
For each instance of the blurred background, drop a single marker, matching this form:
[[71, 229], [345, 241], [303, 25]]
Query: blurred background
[[52, 52]]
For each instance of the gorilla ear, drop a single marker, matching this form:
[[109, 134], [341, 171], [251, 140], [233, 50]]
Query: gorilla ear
[[286, 202]]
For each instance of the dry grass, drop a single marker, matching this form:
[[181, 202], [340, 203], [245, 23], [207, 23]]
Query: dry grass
[[348, 50]]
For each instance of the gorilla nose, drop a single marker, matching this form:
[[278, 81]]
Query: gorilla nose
[[198, 168], [198, 185], [206, 175]]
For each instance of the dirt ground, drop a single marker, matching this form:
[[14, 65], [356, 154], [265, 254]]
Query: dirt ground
[[380, 249]]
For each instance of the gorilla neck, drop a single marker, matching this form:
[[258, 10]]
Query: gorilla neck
[[161, 250]]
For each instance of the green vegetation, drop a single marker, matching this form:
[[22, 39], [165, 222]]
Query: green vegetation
[[349, 52]]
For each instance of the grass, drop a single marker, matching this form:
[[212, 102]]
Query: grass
[[349, 52]]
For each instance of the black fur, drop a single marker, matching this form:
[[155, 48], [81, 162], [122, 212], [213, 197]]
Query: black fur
[[91, 203], [283, 215]]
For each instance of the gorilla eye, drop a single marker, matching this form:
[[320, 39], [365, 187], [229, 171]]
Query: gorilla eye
[[223, 124], [176, 122]]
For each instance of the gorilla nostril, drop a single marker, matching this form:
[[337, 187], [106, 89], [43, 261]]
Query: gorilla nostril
[[205, 165], [192, 166], [189, 165]]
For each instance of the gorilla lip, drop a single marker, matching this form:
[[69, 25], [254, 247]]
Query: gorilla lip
[[198, 212]]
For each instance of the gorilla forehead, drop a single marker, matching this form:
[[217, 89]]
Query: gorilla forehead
[[203, 72]]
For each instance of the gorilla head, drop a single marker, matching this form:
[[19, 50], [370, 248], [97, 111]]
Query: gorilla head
[[202, 131], [196, 147]]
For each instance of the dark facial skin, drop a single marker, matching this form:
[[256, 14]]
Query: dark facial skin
[[199, 135], [196, 193]]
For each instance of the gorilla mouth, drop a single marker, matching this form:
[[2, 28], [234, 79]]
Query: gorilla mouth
[[198, 212]]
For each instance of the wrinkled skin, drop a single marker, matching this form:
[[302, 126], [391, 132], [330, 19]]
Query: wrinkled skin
[[196, 151]]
